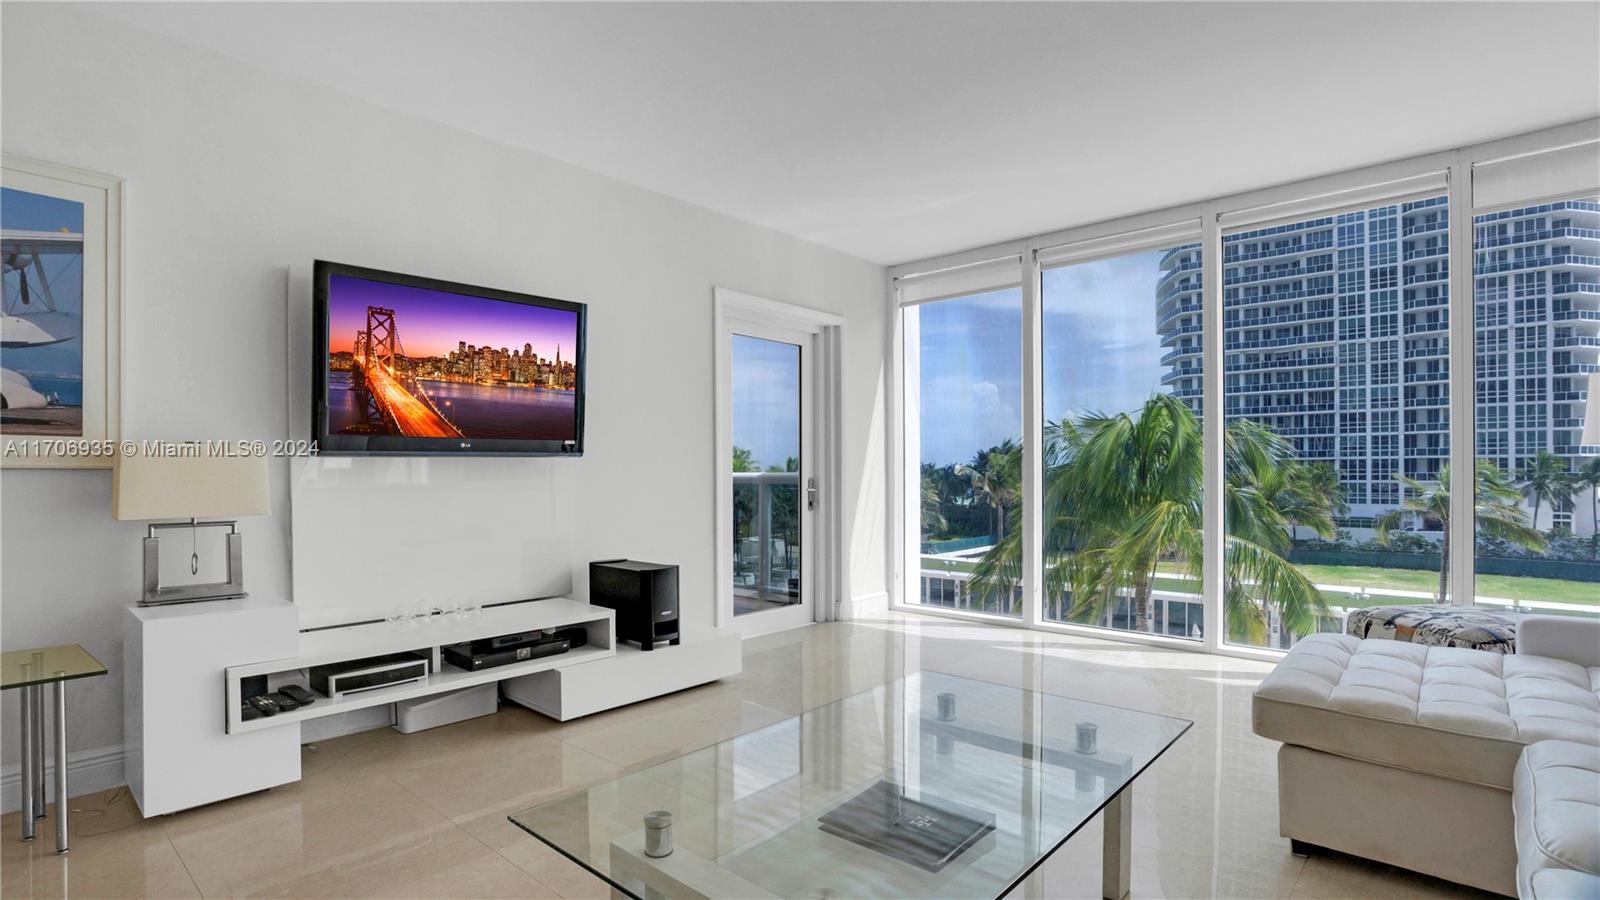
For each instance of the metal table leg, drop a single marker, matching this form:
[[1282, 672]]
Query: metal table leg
[[29, 765], [61, 767], [1117, 869], [38, 751]]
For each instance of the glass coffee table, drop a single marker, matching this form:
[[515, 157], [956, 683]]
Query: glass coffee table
[[931, 786]]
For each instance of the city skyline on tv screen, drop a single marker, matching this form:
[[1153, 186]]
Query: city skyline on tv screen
[[416, 362]]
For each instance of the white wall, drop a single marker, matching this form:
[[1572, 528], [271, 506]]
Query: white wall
[[234, 174]]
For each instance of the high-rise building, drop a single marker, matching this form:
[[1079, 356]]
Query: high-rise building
[[1335, 334]]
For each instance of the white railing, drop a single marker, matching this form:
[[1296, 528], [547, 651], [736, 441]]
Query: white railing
[[770, 542], [1178, 614]]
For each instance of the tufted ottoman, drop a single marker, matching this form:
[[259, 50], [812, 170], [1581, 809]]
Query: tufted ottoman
[[1404, 753], [1556, 800], [1494, 630]]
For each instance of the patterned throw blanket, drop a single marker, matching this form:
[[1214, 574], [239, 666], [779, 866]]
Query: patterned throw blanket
[[1437, 625]]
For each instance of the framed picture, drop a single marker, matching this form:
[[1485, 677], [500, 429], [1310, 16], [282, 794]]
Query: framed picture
[[61, 335]]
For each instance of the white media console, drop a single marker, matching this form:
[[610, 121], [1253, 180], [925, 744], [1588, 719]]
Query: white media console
[[189, 744]]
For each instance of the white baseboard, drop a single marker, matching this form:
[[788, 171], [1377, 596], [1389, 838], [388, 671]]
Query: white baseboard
[[87, 771], [868, 606]]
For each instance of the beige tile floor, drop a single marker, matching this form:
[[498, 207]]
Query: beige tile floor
[[381, 814]]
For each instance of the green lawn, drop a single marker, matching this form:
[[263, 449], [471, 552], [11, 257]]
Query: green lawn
[[1377, 579], [1511, 586]]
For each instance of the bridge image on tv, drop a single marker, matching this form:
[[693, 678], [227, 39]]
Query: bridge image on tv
[[439, 382]]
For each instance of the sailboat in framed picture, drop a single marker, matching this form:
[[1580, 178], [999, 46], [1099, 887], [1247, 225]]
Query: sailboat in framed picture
[[61, 333]]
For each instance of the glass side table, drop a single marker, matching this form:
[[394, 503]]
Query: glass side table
[[33, 671]]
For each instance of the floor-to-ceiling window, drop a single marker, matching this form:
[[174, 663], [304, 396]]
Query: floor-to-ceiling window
[[1122, 464], [1536, 277], [1334, 364], [964, 427], [1336, 398]]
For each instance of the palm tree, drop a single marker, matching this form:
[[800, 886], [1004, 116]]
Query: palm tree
[[932, 514], [996, 476], [1495, 511], [743, 460], [1123, 495], [1589, 477], [1308, 495], [1545, 479]]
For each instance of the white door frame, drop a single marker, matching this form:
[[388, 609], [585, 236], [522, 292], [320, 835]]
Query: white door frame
[[825, 550]]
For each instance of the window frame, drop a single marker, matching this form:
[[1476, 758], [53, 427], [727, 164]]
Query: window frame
[[1326, 195]]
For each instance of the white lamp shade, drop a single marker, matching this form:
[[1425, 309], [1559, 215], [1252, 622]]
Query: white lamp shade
[[189, 487]]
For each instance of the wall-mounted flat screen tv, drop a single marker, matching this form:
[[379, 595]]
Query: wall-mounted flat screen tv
[[417, 366]]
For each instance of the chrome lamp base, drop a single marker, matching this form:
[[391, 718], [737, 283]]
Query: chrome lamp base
[[156, 595]]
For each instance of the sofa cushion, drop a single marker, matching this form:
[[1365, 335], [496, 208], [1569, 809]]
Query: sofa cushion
[[1562, 884], [1556, 800], [1444, 711]]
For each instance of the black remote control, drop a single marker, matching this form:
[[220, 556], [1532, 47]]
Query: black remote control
[[298, 694], [266, 704], [248, 711], [285, 703]]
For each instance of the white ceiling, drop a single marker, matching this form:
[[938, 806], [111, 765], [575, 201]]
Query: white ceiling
[[900, 131]]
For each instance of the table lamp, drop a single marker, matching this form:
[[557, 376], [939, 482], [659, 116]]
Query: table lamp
[[190, 487]]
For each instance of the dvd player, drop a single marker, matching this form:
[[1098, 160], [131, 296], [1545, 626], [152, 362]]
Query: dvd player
[[479, 655], [359, 675]]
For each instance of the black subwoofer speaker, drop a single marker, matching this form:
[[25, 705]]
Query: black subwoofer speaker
[[645, 596]]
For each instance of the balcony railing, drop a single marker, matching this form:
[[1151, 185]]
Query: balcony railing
[[1576, 287], [1425, 227], [1278, 296], [1529, 237], [1306, 247], [1536, 262], [1308, 361], [1318, 338], [1172, 613], [1320, 384], [1278, 273], [766, 535], [1309, 315]]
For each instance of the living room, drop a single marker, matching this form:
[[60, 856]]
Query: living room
[[800, 449]]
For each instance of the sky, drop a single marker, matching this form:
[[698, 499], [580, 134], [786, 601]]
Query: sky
[[25, 211], [433, 323], [766, 399], [1101, 353]]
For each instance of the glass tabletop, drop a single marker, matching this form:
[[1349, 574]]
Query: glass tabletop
[[934, 785], [44, 665]]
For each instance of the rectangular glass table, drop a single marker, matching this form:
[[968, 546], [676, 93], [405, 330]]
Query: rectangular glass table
[[930, 786]]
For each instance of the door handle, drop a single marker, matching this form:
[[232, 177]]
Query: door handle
[[811, 494]]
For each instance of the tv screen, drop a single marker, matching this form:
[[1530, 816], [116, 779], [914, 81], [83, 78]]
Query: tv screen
[[409, 365]]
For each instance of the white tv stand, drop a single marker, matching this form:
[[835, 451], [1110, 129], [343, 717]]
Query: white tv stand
[[188, 744], [427, 638]]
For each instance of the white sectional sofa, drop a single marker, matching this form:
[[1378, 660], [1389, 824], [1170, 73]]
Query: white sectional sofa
[[1409, 754], [1556, 800]]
